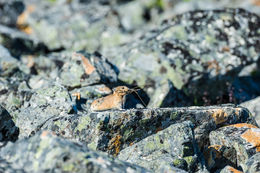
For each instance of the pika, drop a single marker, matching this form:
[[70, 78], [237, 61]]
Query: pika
[[116, 100]]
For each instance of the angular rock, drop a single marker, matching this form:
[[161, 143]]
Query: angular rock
[[254, 107], [8, 130], [45, 103], [9, 12], [219, 156], [84, 69], [163, 148], [252, 165], [8, 64], [245, 138], [113, 131], [45, 152], [198, 54]]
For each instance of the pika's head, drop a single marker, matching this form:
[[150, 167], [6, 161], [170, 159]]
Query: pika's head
[[121, 90]]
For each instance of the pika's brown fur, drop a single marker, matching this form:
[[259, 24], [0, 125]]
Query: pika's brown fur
[[115, 100]]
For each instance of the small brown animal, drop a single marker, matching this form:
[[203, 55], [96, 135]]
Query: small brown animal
[[116, 100]]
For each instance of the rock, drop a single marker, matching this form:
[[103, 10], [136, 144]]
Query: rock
[[252, 165], [204, 65], [113, 131], [8, 130], [20, 43], [8, 64], [84, 69], [45, 103], [163, 148], [46, 152], [245, 138], [230, 169], [219, 156], [9, 12], [7, 167], [254, 107]]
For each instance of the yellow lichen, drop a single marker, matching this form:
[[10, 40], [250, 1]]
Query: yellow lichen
[[220, 116], [253, 137], [115, 144], [240, 125]]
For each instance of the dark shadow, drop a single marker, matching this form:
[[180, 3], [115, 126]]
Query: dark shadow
[[8, 130]]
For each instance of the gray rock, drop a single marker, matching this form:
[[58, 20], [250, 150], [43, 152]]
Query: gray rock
[[204, 65], [243, 137], [8, 64], [219, 156], [254, 107], [253, 164], [45, 152], [7, 167], [9, 12], [8, 130], [84, 69], [163, 148], [113, 131]]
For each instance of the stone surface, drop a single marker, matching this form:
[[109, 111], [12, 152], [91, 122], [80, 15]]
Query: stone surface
[[204, 65], [45, 152], [254, 107], [253, 164], [113, 131], [85, 69], [164, 148], [245, 138], [219, 156]]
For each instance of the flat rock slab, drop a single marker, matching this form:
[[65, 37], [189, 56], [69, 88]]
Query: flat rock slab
[[45, 152], [245, 138], [113, 131]]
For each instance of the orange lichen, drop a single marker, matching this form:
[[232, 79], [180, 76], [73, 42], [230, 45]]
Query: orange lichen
[[158, 129], [21, 20], [89, 68], [217, 147], [214, 65], [253, 137], [225, 49], [233, 170], [240, 125], [132, 143], [220, 116], [77, 95], [116, 144]]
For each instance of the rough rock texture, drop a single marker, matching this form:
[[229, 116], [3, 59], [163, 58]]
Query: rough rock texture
[[201, 52], [254, 107], [45, 152], [245, 138], [8, 130], [218, 156], [164, 148], [84, 69], [113, 131], [253, 163]]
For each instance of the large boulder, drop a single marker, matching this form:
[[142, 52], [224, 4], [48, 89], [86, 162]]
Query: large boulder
[[45, 152]]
